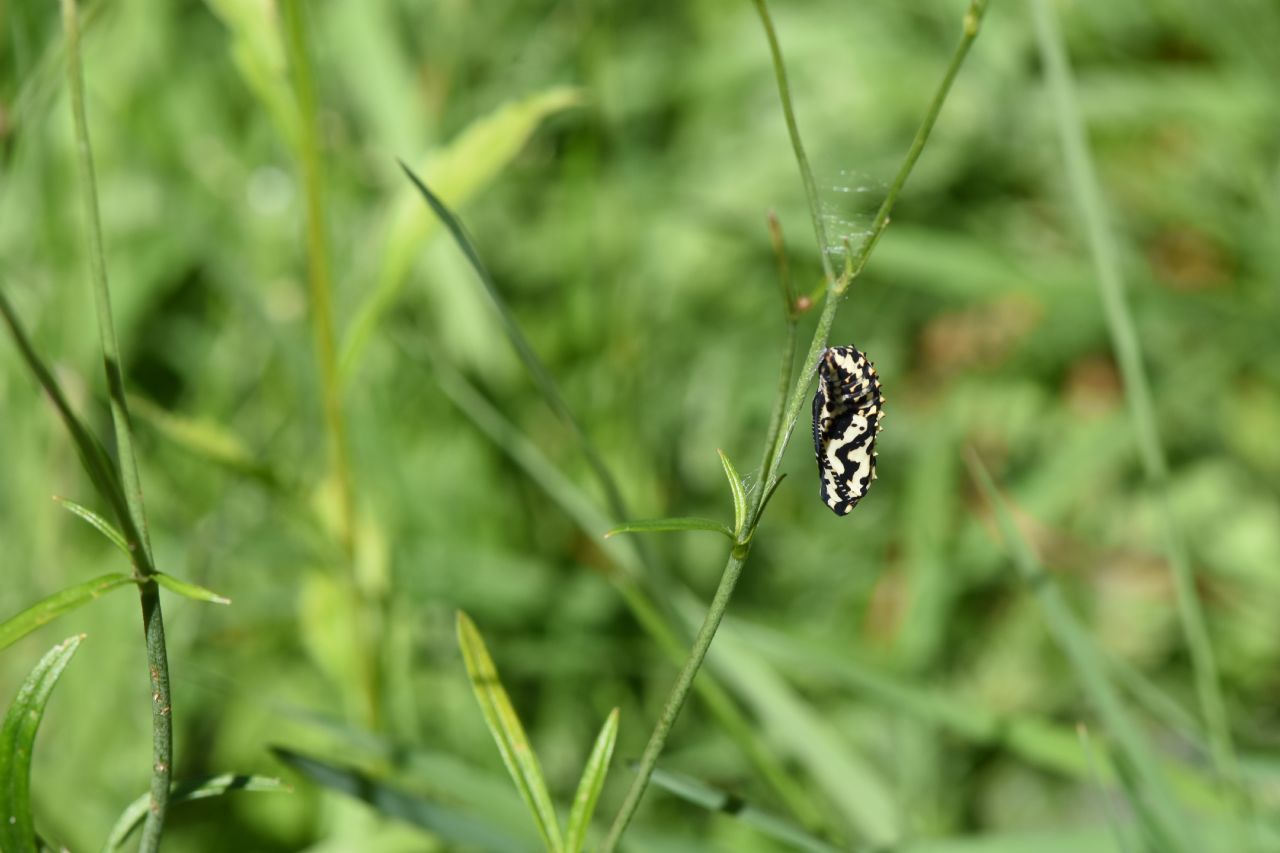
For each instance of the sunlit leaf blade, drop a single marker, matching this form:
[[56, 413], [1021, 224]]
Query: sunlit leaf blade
[[17, 737], [1139, 773], [593, 775], [189, 590], [713, 799], [99, 523], [47, 609], [448, 823], [458, 172], [508, 733], [198, 789], [658, 525], [739, 493]]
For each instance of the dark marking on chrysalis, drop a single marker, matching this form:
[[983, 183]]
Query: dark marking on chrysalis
[[847, 410]]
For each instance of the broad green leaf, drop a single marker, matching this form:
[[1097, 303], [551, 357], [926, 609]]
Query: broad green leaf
[[448, 823], [713, 799], [1140, 774], [188, 590], [48, 609], [103, 526], [584, 801], [739, 493], [17, 737], [508, 733], [658, 525], [199, 789], [457, 172]]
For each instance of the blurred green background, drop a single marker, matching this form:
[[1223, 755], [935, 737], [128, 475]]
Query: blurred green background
[[615, 163]]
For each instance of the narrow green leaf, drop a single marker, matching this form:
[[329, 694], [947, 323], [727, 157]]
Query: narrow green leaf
[[739, 494], [198, 789], [1139, 772], [459, 171], [449, 824], [103, 526], [189, 590], [508, 733], [47, 609], [713, 799], [93, 456], [658, 525], [17, 737], [584, 801]]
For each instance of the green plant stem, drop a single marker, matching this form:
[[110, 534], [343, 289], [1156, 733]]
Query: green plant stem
[[791, 316], [135, 519], [370, 606], [738, 555], [1124, 339], [793, 129], [679, 692], [320, 287]]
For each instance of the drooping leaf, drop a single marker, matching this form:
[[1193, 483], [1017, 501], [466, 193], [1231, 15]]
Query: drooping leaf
[[450, 824], [715, 800], [47, 609], [199, 789]]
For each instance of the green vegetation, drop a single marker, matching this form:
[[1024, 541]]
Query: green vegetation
[[438, 338]]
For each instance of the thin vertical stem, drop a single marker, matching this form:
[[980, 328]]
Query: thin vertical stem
[[320, 287], [741, 548], [135, 521], [793, 129], [1100, 237]]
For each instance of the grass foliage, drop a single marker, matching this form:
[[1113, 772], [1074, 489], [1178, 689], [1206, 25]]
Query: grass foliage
[[1050, 625]]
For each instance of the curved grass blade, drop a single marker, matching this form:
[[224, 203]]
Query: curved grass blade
[[584, 801], [99, 523], [1138, 770], [537, 370], [458, 171], [713, 799], [508, 733], [739, 494], [17, 737], [189, 590], [47, 609], [659, 525], [199, 789], [93, 456], [445, 822]]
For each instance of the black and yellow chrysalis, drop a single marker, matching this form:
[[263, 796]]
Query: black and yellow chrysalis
[[847, 410]]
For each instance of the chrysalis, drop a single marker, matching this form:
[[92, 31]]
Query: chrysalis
[[847, 409]]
